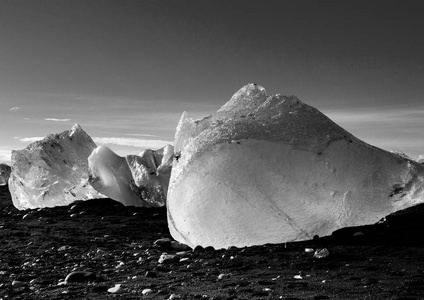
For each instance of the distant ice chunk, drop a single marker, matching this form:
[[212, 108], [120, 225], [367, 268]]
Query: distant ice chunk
[[4, 174], [135, 180], [271, 169], [53, 171]]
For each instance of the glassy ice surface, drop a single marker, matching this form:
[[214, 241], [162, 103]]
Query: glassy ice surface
[[52, 171], [135, 180], [271, 169]]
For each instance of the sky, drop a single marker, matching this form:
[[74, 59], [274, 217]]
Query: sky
[[125, 70]]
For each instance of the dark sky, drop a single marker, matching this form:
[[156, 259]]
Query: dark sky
[[69, 61]]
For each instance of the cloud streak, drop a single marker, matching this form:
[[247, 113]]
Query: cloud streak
[[132, 142], [366, 116], [131, 134], [57, 120], [140, 134], [391, 128]]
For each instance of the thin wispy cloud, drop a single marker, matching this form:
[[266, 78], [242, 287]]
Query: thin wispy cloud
[[132, 142], [131, 134], [140, 134], [377, 116], [5, 156], [57, 120], [15, 108], [397, 128]]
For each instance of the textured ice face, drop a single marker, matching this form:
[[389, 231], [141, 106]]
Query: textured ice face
[[135, 180], [4, 174], [53, 171], [273, 169]]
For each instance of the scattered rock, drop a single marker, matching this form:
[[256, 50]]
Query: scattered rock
[[80, 276], [179, 246], [17, 283], [358, 234], [163, 243], [117, 289], [150, 274], [198, 248], [168, 258], [223, 276], [147, 291], [321, 253]]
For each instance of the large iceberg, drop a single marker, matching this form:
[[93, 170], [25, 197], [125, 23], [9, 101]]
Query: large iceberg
[[4, 174], [273, 169], [53, 171], [134, 180]]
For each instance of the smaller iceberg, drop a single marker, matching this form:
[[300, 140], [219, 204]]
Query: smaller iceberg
[[53, 171], [134, 180]]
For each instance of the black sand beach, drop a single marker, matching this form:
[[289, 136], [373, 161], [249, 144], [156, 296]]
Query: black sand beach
[[104, 244]]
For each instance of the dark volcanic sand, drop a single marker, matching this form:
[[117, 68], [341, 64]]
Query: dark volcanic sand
[[41, 247]]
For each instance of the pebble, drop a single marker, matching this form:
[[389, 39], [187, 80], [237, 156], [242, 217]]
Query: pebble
[[198, 249], [79, 276], [165, 242], [168, 258], [17, 283], [223, 276], [146, 291], [40, 280], [183, 253], [116, 289], [321, 253], [150, 274], [174, 296], [179, 246]]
